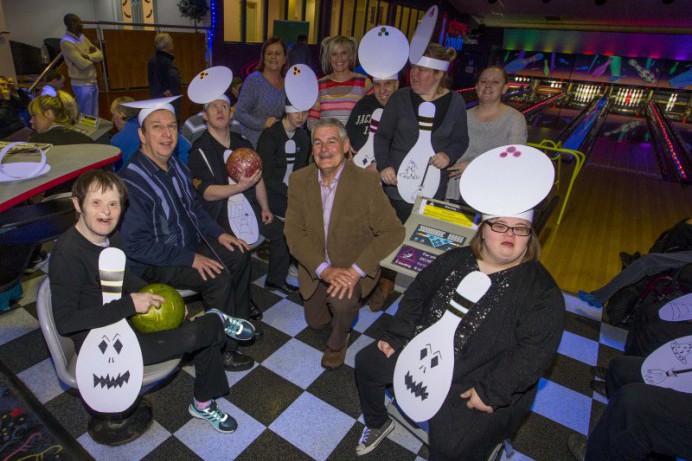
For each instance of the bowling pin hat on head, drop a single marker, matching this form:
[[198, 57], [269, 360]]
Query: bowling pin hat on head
[[151, 105], [301, 88], [210, 84], [383, 52], [507, 181], [421, 39]]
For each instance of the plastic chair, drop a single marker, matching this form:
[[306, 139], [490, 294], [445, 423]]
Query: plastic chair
[[64, 357]]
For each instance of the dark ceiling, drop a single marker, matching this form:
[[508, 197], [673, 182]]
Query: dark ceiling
[[655, 16]]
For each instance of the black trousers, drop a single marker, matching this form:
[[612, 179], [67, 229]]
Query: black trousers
[[402, 208], [640, 419], [456, 433], [205, 339], [229, 291], [279, 258], [277, 203]]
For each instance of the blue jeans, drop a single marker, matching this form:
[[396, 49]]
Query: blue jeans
[[87, 99]]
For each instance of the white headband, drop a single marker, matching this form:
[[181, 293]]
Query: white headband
[[144, 113], [292, 110], [391, 77], [527, 215], [432, 63], [221, 97]]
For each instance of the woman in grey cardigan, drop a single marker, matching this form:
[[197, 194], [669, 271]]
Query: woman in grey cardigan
[[262, 98], [398, 129], [491, 124]]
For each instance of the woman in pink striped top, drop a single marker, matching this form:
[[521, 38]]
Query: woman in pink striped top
[[341, 88]]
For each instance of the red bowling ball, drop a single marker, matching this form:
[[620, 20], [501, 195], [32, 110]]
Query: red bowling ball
[[243, 162]]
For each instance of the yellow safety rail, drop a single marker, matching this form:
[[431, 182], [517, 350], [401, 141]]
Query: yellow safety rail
[[555, 151]]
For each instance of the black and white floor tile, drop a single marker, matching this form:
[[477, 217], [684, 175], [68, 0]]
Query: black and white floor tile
[[288, 407]]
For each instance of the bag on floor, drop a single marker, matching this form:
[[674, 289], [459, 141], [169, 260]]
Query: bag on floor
[[648, 332]]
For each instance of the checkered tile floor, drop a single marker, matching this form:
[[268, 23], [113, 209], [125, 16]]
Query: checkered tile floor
[[289, 408]]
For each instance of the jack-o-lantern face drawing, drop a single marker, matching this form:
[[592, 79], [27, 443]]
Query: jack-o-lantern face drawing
[[417, 384], [110, 368], [111, 348]]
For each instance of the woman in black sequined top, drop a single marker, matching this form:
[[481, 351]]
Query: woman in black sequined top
[[502, 345]]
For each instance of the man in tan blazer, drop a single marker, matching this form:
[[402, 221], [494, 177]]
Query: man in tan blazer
[[336, 199]]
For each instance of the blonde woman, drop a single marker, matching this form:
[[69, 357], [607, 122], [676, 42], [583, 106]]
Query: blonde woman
[[341, 88], [52, 118]]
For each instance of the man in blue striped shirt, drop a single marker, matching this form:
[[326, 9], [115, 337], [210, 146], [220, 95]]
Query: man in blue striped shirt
[[167, 235]]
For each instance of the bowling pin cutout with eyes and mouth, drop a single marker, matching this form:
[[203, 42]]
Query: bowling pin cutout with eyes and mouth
[[290, 150], [416, 176], [366, 155], [424, 369], [109, 367], [670, 366], [241, 216]]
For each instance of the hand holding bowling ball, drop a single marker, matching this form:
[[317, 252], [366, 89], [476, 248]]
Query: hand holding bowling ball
[[243, 162], [168, 316]]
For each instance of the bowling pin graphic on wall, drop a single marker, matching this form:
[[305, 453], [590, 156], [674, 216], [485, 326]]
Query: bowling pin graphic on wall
[[109, 367], [423, 372], [366, 155], [416, 176]]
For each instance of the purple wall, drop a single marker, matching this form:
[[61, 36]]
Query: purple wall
[[656, 46]]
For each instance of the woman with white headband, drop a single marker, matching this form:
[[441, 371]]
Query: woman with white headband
[[398, 130]]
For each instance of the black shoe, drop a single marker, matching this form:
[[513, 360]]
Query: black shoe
[[255, 311], [599, 387], [38, 258], [235, 361], [577, 446], [285, 288], [599, 372], [626, 259]]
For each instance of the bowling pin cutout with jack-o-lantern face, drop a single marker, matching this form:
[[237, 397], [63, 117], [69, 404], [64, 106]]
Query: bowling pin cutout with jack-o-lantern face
[[423, 372], [416, 176], [110, 366]]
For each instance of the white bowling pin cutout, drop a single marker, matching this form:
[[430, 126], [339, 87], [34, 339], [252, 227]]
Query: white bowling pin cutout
[[416, 176], [423, 372], [290, 151], [241, 216], [677, 310], [670, 366], [109, 366], [366, 155]]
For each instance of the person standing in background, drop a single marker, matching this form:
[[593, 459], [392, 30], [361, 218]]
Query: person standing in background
[[164, 76], [300, 53], [80, 55], [261, 100]]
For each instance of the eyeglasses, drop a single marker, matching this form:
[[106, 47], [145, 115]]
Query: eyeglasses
[[500, 228]]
